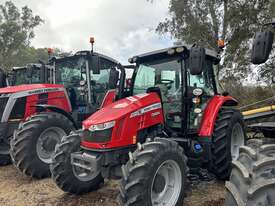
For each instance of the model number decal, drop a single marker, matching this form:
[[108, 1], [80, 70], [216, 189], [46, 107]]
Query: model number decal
[[44, 90], [146, 109]]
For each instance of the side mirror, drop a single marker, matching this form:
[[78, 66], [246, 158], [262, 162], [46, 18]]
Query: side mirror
[[196, 60], [94, 63], [273, 79], [262, 46], [113, 79]]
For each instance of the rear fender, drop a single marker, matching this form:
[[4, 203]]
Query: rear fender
[[211, 113], [53, 108], [109, 98]]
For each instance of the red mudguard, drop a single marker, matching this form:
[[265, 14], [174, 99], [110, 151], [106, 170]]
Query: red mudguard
[[211, 113]]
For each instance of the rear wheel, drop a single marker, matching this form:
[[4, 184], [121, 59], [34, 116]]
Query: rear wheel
[[68, 177], [228, 137], [252, 180], [34, 142], [156, 174]]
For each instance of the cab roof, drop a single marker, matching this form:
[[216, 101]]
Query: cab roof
[[85, 52], [162, 53], [24, 67]]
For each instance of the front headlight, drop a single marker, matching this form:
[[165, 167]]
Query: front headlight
[[103, 126]]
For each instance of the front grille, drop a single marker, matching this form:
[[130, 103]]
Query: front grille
[[100, 136], [3, 103]]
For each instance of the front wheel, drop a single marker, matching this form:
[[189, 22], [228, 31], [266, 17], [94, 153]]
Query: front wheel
[[156, 174], [69, 177], [34, 142]]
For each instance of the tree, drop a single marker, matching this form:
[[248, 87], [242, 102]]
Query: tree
[[16, 32], [206, 21]]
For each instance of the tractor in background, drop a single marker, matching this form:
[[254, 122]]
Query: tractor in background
[[36, 116], [252, 181], [30, 74], [172, 119], [19, 77]]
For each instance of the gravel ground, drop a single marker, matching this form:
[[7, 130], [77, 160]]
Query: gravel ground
[[18, 190]]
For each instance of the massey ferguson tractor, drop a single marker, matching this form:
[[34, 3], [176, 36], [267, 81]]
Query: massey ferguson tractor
[[173, 118], [36, 116], [252, 181], [30, 74]]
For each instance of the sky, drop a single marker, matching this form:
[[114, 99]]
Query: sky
[[122, 28]]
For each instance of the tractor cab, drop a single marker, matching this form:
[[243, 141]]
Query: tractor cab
[[87, 77], [30, 74], [183, 95]]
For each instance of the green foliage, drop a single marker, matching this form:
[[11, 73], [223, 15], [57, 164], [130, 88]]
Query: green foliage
[[16, 32], [205, 21]]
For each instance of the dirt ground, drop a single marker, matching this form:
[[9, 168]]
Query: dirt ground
[[18, 190]]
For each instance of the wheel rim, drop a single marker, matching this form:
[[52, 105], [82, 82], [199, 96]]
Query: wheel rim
[[237, 140], [167, 184], [47, 141], [84, 175]]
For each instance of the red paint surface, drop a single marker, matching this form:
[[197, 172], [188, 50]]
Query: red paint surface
[[126, 127], [211, 113], [109, 98], [27, 87]]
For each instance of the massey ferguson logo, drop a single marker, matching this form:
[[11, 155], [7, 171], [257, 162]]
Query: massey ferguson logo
[[43, 90]]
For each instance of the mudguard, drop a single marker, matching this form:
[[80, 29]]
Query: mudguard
[[53, 108], [211, 113]]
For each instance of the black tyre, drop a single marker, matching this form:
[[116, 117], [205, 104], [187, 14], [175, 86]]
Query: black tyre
[[156, 174], [228, 136], [64, 173], [269, 133], [252, 181], [5, 158], [34, 142]]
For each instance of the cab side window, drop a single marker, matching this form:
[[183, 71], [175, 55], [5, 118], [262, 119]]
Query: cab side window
[[99, 82]]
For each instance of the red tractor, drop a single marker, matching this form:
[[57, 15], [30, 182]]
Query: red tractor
[[40, 114], [252, 181], [30, 74], [173, 117]]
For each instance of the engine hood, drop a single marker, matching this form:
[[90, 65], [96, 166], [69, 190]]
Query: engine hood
[[121, 108], [28, 87]]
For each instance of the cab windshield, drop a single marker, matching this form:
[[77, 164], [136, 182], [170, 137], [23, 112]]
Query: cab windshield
[[70, 71], [162, 74]]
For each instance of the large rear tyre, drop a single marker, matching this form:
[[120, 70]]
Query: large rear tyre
[[156, 174], [252, 181], [66, 176], [228, 137], [33, 144]]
